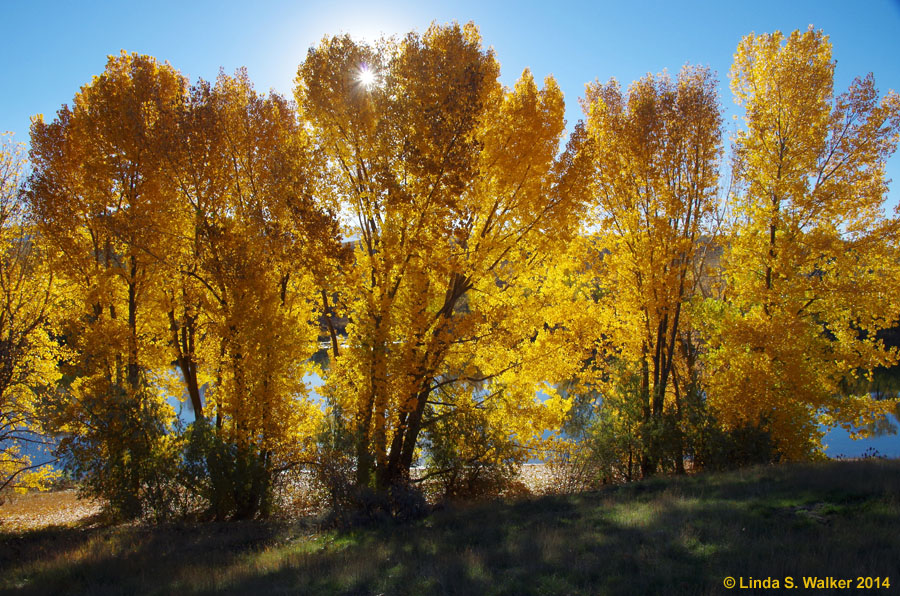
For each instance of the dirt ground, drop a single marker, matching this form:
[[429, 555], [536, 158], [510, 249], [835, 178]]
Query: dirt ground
[[63, 507], [41, 509]]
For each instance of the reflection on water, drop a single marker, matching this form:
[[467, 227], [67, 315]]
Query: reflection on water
[[885, 440], [883, 435]]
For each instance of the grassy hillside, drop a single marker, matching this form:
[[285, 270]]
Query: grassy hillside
[[665, 536]]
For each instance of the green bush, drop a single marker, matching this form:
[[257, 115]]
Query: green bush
[[230, 481], [347, 502], [125, 454], [745, 445], [484, 464]]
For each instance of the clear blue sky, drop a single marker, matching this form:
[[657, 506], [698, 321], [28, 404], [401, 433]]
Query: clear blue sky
[[52, 48]]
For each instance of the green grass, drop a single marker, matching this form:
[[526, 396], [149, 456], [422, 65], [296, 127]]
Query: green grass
[[664, 536]]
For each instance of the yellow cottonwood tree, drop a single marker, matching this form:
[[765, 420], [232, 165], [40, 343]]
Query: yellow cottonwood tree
[[451, 191], [28, 355], [102, 206], [654, 187], [250, 240], [811, 267], [184, 230]]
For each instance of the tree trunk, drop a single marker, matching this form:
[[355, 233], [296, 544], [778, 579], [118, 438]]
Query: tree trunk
[[183, 341], [679, 454], [648, 463], [133, 370]]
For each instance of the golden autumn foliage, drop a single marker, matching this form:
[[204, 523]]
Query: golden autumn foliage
[[654, 154], [27, 351], [101, 204], [250, 241], [761, 345], [471, 279], [810, 271], [450, 184], [183, 226]]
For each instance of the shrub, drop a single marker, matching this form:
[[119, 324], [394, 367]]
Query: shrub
[[469, 457], [230, 481], [124, 452], [746, 445]]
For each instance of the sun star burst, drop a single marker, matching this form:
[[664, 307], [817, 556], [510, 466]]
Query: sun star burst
[[366, 77]]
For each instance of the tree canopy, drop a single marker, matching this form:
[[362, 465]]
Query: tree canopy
[[472, 290]]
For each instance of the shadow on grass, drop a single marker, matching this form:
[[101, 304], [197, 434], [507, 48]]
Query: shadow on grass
[[665, 536], [123, 559], [681, 536]]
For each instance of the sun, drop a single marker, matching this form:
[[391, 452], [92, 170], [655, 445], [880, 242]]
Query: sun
[[366, 77]]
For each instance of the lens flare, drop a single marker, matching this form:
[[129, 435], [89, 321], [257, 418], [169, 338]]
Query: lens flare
[[366, 77]]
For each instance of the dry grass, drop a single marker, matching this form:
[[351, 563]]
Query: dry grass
[[63, 508], [537, 479], [37, 510], [663, 536]]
